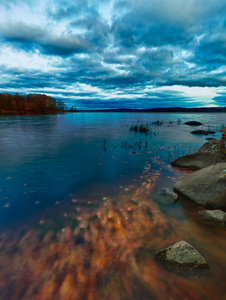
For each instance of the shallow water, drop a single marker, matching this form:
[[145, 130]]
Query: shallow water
[[79, 214]]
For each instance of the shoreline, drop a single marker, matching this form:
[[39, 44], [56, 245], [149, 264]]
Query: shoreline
[[32, 113], [151, 112]]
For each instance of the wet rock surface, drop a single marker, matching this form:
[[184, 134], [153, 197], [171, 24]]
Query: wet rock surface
[[206, 187], [168, 196], [182, 255], [196, 160], [215, 216]]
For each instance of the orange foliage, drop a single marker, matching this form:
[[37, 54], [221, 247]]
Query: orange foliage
[[31, 103]]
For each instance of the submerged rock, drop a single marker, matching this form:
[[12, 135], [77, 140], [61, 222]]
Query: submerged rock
[[199, 132], [196, 160], [182, 255], [193, 123], [168, 196], [210, 132], [206, 187], [216, 216]]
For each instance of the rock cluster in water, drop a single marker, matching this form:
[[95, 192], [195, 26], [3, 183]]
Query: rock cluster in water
[[207, 187]]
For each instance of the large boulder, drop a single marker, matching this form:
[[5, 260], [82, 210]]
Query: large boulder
[[182, 255], [206, 187], [196, 160]]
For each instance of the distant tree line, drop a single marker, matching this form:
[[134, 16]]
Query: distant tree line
[[31, 103]]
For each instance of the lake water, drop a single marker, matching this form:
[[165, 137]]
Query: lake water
[[80, 214]]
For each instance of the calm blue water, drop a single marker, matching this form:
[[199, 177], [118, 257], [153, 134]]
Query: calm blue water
[[45, 159]]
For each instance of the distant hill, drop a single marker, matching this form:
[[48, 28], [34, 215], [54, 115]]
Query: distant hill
[[165, 110]]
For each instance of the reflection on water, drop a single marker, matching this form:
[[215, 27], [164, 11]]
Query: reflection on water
[[89, 225]]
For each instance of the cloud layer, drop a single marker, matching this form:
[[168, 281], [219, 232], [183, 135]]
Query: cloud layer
[[119, 53]]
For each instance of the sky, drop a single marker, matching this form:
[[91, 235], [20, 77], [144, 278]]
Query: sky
[[115, 53]]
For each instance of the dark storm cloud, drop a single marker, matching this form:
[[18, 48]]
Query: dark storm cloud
[[97, 31], [157, 23], [30, 37], [84, 70], [32, 81], [198, 27], [149, 26], [131, 32], [123, 49], [26, 79], [221, 99], [211, 51]]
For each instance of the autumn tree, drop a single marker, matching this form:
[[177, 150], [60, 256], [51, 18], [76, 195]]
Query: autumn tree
[[30, 103]]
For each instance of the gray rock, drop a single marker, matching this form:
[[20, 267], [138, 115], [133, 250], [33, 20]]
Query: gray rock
[[168, 196], [182, 254], [216, 216], [206, 187], [196, 160]]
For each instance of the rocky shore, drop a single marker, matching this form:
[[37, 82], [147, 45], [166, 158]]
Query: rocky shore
[[206, 186]]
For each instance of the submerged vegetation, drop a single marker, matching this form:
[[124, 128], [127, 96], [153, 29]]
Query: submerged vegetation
[[176, 152], [146, 128], [141, 128], [134, 145], [30, 104]]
